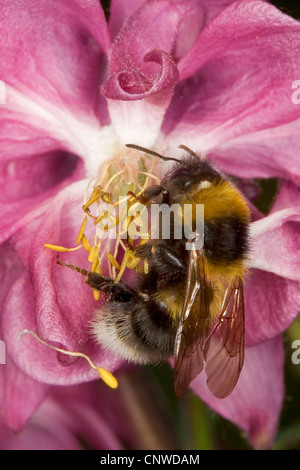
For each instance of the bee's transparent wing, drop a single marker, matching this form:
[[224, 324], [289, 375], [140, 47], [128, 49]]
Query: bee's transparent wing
[[220, 347], [194, 326], [223, 350]]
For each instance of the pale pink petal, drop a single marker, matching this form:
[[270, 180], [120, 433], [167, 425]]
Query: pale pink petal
[[276, 238], [59, 51], [231, 92], [30, 124], [70, 418], [270, 153], [272, 299], [37, 360], [27, 182], [137, 105], [35, 437], [119, 12], [40, 137], [20, 396], [48, 306], [271, 304], [141, 67], [255, 404], [52, 100], [83, 407], [214, 7], [154, 25]]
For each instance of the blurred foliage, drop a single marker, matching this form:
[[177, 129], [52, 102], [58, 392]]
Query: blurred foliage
[[194, 425], [290, 7]]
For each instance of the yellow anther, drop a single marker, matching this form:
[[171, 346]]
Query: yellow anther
[[146, 266], [98, 269], [85, 243], [113, 261], [133, 263], [82, 229], [128, 221], [59, 248], [95, 265], [106, 197], [99, 218], [93, 253], [123, 266], [144, 238], [96, 294], [95, 196], [104, 374], [107, 377], [118, 187]]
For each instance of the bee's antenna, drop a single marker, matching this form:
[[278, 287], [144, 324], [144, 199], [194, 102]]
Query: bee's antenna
[[84, 272], [151, 152], [188, 150]]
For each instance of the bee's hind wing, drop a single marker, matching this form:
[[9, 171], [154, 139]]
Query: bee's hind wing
[[223, 350], [194, 326], [199, 342]]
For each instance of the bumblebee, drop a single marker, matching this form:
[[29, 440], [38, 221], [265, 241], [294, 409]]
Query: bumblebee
[[190, 302]]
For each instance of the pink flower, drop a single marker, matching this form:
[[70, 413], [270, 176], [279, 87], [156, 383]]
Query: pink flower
[[73, 418], [67, 418], [215, 76]]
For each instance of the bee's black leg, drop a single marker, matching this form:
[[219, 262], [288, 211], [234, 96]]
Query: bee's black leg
[[173, 256], [116, 292]]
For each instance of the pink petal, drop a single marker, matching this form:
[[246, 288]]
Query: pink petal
[[214, 7], [271, 304], [276, 238], [136, 104], [134, 85], [232, 92], [141, 68], [52, 99], [153, 26], [120, 11], [270, 153], [91, 412], [35, 359], [272, 289], [62, 66], [20, 396], [68, 417], [249, 19], [50, 307], [28, 181], [255, 403], [35, 437]]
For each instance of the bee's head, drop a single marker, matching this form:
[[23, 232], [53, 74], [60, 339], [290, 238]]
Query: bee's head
[[190, 176]]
